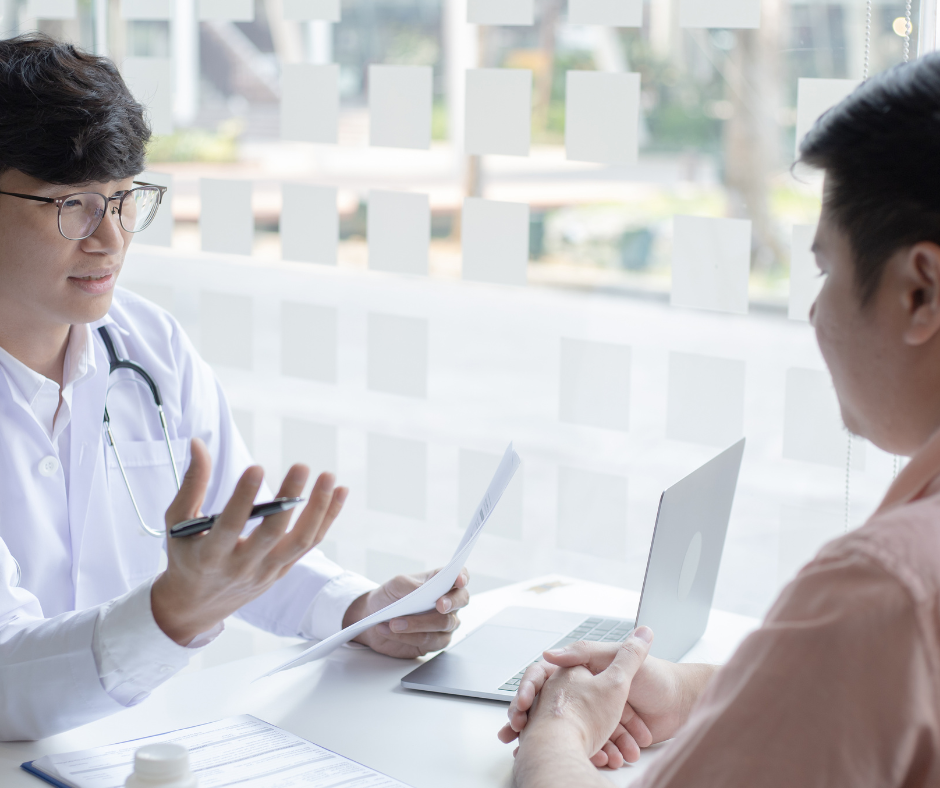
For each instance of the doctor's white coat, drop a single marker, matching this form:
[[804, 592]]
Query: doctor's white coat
[[83, 546]]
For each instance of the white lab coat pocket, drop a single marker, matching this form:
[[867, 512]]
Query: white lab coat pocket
[[150, 478]]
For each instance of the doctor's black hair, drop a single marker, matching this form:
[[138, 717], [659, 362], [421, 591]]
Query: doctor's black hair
[[66, 116], [880, 151]]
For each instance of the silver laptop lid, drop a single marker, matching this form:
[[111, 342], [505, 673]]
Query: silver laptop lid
[[686, 553]]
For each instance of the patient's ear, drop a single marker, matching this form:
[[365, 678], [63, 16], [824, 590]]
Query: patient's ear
[[919, 275]]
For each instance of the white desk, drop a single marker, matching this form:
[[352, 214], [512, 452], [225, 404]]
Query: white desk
[[352, 702]]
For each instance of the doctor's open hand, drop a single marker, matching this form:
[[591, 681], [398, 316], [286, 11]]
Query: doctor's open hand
[[211, 575], [408, 637]]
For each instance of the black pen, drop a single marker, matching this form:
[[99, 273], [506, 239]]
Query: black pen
[[200, 524]]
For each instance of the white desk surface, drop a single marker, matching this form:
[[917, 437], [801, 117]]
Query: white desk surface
[[352, 702]]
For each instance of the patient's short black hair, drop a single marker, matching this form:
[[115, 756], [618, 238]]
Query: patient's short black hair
[[66, 116], [880, 150]]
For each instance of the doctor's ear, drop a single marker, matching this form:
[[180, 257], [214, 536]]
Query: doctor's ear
[[918, 275], [188, 501]]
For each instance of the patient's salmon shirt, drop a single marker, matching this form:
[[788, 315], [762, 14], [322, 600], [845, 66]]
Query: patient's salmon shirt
[[841, 684]]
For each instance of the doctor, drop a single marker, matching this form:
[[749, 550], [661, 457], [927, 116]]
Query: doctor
[[94, 611]]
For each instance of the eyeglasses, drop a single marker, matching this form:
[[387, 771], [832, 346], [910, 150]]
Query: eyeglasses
[[81, 214]]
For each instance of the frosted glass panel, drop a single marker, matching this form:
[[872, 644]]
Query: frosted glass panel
[[52, 9], [300, 10], [802, 533], [308, 341], [501, 12], [719, 13], [805, 281], [495, 241], [396, 476], [225, 323], [711, 260], [400, 106], [382, 567], [309, 223], [613, 13], [595, 384], [310, 443], [150, 79], [309, 102], [705, 400], [499, 106], [226, 221], [814, 97], [230, 10], [476, 469], [592, 513], [245, 424], [398, 355], [812, 423], [602, 117], [399, 232], [142, 10]]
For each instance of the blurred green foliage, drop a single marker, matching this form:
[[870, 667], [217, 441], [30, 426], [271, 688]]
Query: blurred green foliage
[[198, 144]]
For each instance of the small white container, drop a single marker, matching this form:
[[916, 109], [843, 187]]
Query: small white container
[[163, 765]]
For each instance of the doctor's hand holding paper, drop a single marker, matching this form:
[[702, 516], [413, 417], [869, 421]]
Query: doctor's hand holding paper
[[212, 575]]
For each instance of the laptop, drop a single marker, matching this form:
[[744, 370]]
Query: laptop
[[677, 594]]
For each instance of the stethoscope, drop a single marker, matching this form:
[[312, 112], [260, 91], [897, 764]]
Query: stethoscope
[[123, 363]]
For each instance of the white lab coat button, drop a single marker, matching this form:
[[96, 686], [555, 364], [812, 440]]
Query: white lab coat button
[[48, 466], [166, 668]]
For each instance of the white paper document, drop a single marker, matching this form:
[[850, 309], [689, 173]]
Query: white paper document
[[243, 751], [424, 598]]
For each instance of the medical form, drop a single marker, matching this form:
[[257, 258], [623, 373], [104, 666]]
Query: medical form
[[243, 751]]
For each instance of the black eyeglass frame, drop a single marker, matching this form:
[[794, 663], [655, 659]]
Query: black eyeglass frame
[[60, 201]]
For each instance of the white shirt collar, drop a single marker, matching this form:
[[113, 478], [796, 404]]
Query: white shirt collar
[[79, 365]]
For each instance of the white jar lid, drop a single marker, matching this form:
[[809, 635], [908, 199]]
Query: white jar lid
[[165, 761]]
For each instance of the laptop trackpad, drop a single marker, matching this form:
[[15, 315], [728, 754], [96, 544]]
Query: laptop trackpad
[[486, 658]]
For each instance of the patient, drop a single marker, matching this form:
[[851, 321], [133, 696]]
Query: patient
[[841, 684]]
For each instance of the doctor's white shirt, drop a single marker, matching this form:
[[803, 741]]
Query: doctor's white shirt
[[77, 635]]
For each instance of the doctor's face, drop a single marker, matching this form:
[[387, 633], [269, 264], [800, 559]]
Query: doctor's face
[[45, 279]]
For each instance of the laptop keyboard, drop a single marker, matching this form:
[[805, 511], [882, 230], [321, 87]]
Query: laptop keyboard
[[595, 629]]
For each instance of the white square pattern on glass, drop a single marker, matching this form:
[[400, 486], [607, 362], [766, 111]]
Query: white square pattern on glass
[[301, 10], [397, 355], [476, 469], [226, 329], [52, 9], [308, 341], [226, 220], [310, 443], [612, 13], [711, 261], [592, 513], [719, 13], [595, 384], [705, 400], [802, 532], [227, 10], [499, 111], [160, 231], [161, 295], [812, 423], [501, 12], [495, 241], [145, 10], [382, 567], [150, 79], [805, 281], [400, 106], [309, 223], [399, 230], [397, 476], [245, 424], [814, 97], [309, 102], [602, 117]]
